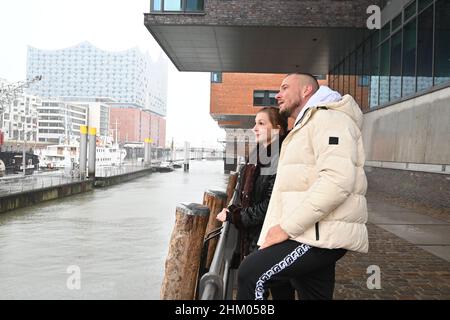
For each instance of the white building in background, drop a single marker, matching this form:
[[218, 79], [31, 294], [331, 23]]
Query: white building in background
[[20, 119], [98, 112], [60, 120], [85, 71]]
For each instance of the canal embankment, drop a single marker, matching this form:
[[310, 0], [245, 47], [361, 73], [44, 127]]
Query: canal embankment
[[29, 191]]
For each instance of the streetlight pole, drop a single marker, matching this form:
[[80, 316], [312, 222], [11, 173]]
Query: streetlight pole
[[24, 154]]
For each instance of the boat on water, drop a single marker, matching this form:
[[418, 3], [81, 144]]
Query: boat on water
[[165, 166], [63, 156], [12, 162]]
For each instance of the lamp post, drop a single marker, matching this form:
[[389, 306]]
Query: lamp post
[[24, 154]]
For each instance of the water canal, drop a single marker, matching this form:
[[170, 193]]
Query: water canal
[[118, 238]]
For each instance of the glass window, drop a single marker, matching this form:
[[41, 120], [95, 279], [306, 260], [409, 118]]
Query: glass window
[[272, 101], [423, 4], [264, 98], [396, 66], [320, 77], [425, 50], [346, 76], [359, 75], [442, 49], [194, 5], [386, 31], [366, 73], [341, 77], [385, 54], [216, 77], [397, 22], [352, 75], [375, 75], [409, 58], [410, 10], [173, 5]]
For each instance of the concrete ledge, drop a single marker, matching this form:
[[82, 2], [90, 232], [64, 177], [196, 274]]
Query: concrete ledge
[[31, 197], [28, 198], [101, 182], [431, 189], [423, 167]]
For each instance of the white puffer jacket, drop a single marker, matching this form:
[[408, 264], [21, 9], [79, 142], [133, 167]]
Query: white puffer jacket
[[319, 192]]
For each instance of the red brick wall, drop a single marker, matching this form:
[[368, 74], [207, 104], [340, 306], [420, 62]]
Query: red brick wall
[[234, 95], [135, 125], [127, 123], [145, 126], [162, 132]]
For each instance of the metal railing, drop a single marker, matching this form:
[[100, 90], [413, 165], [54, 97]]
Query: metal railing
[[218, 282], [19, 184], [13, 184]]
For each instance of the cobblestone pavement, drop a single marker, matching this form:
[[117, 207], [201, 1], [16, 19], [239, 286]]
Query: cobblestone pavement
[[407, 271]]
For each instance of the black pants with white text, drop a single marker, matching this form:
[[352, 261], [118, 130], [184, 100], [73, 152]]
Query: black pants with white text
[[311, 271]]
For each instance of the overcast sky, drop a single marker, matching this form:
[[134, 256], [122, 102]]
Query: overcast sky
[[109, 25]]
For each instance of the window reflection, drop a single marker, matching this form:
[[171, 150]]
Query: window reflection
[[409, 58], [425, 50], [396, 66], [376, 74], [173, 5], [442, 42]]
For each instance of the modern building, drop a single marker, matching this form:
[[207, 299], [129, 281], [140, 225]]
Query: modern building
[[235, 99], [98, 112], [85, 71], [398, 71], [59, 121], [134, 125], [20, 120]]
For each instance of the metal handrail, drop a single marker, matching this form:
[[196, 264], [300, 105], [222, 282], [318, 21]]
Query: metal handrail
[[212, 283]]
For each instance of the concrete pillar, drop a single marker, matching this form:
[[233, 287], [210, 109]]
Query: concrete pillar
[[92, 151], [83, 151], [187, 151], [148, 151], [183, 259]]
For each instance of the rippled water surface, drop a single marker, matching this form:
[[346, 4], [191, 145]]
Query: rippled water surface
[[117, 236]]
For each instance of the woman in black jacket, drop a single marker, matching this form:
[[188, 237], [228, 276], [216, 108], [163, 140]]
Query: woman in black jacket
[[258, 178]]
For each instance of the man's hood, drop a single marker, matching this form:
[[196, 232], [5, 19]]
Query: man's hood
[[348, 106], [325, 97]]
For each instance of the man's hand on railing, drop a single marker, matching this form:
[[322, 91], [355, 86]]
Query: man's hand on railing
[[274, 235]]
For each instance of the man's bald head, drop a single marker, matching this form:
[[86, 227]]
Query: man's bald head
[[295, 91], [307, 79]]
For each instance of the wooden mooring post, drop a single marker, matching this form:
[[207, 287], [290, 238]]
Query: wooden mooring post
[[232, 181], [183, 259], [215, 201]]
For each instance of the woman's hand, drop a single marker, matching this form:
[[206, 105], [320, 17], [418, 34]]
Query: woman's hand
[[222, 215]]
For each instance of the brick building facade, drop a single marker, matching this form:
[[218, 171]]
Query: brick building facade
[[134, 125]]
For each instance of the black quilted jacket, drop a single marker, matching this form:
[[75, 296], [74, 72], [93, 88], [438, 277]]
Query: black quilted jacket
[[249, 220]]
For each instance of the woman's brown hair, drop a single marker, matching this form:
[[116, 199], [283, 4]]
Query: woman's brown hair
[[276, 119]]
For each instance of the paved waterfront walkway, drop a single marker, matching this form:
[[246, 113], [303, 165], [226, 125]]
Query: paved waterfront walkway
[[410, 245]]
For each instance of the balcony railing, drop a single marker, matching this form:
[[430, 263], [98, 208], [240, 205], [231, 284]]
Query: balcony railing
[[177, 6]]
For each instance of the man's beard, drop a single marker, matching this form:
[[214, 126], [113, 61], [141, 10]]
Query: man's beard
[[286, 113]]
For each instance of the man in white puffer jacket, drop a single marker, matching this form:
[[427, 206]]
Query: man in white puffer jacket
[[318, 209]]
